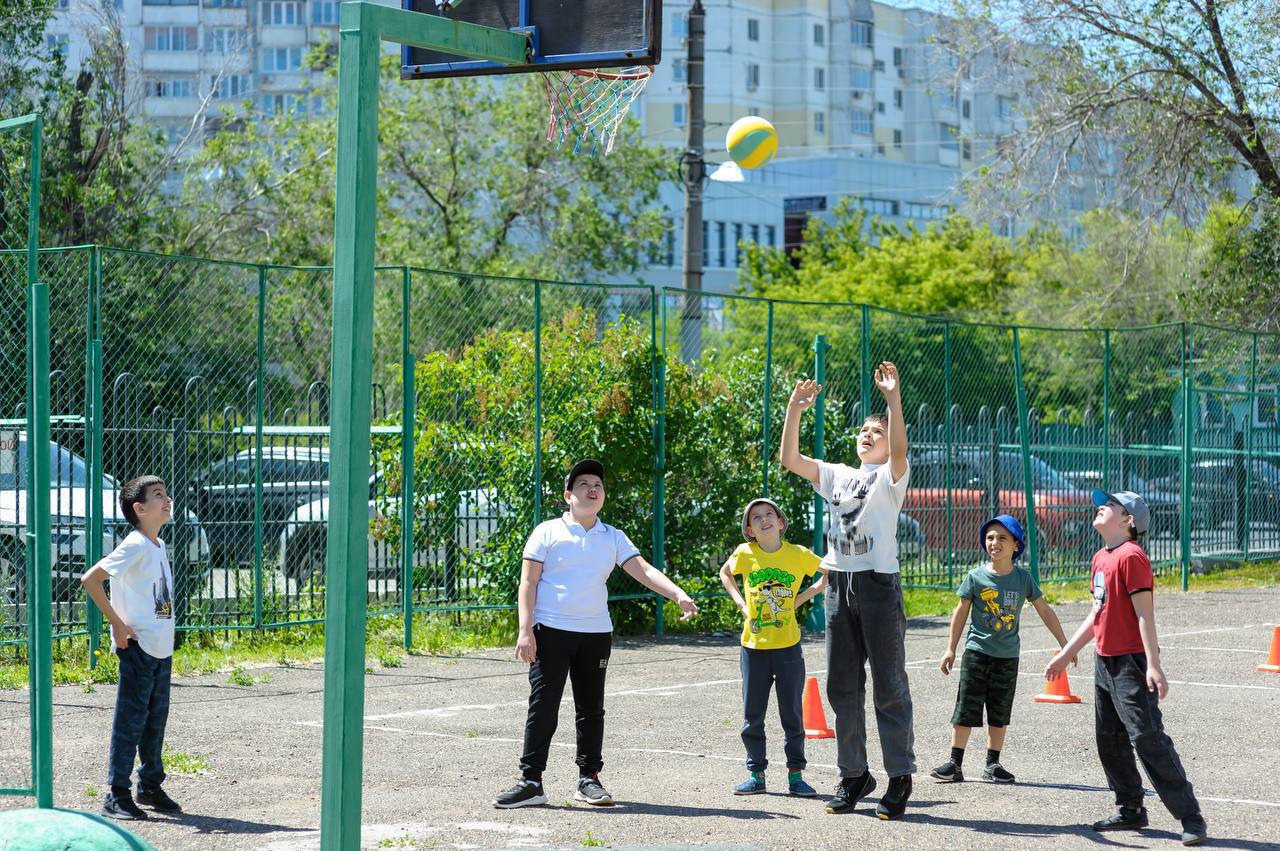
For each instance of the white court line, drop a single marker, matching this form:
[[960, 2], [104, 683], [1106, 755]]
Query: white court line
[[1040, 676], [1213, 649], [737, 760]]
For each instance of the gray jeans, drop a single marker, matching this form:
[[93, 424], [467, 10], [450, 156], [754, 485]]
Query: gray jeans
[[866, 623]]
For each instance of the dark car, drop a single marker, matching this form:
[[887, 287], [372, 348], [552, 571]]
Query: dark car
[[1165, 505], [1220, 491]]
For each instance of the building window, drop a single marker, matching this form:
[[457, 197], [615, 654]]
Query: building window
[[62, 5], [680, 70], [897, 98], [862, 31], [819, 122], [964, 109], [737, 243], [950, 100], [680, 25], [224, 40], [277, 103], [861, 122], [860, 78], [168, 2], [721, 256], [880, 107], [281, 59], [770, 235], [706, 242], [677, 114], [224, 4], [753, 76], [230, 87], [168, 87], [819, 35], [897, 57], [966, 149], [58, 43], [819, 78], [755, 234], [897, 140], [173, 39], [753, 29], [879, 206], [949, 136], [1075, 197], [324, 12], [878, 65], [1005, 106], [281, 13]]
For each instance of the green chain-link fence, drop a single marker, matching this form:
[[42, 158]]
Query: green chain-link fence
[[215, 376]]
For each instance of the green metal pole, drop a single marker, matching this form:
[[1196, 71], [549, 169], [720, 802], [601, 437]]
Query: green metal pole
[[1028, 482], [866, 361], [537, 402], [660, 465], [946, 463], [1188, 435], [346, 559], [259, 402], [93, 449], [766, 453], [407, 425], [1248, 457], [817, 619], [1106, 410]]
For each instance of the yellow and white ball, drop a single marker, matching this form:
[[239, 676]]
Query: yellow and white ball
[[752, 141]]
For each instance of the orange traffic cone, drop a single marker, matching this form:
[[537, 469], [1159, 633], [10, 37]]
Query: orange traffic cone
[[1057, 691], [1272, 665], [815, 720]]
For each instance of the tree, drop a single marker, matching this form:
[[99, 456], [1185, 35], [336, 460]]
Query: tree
[[467, 182], [1163, 102]]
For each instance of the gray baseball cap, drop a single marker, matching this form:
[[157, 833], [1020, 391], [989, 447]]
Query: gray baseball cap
[[746, 512], [1135, 505]]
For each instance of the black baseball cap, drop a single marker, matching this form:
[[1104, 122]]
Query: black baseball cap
[[587, 466]]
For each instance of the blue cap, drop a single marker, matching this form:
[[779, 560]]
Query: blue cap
[[1009, 522]]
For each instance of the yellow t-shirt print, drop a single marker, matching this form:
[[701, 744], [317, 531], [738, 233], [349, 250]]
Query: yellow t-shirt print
[[771, 582]]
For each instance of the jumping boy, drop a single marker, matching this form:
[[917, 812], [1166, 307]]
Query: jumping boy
[[566, 632], [1129, 681], [140, 612], [866, 621], [772, 572], [991, 598]]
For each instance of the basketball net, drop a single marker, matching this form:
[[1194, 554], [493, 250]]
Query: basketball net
[[587, 106]]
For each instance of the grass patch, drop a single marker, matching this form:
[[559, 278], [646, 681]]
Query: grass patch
[[592, 841], [179, 762], [91, 791]]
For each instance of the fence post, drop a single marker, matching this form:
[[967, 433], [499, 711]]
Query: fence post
[[537, 402], [179, 563], [93, 449], [259, 404], [408, 366], [865, 335], [1248, 424], [768, 402], [1028, 483], [817, 619], [659, 447], [946, 461], [1106, 410], [1188, 434]]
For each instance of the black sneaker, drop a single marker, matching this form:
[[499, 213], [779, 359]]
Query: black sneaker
[[849, 790], [996, 773], [157, 800], [1194, 830], [590, 791], [948, 772], [526, 793], [894, 802], [1126, 818], [120, 805]]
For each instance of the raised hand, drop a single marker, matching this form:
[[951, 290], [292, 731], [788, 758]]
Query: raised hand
[[805, 394], [886, 378]]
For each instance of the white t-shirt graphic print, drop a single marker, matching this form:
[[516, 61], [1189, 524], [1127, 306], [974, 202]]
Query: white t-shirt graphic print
[[862, 509], [142, 592]]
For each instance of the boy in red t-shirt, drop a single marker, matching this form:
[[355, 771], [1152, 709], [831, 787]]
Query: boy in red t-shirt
[[1128, 679]]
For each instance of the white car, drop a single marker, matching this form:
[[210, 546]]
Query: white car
[[68, 503]]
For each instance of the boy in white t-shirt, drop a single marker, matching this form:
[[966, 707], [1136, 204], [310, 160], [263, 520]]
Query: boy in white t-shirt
[[866, 621], [566, 632], [140, 612]]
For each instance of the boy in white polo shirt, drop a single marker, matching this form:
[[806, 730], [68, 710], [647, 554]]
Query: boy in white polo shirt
[[566, 632], [140, 612]]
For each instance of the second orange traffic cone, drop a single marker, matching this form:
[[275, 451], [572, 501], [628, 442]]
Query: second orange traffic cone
[[815, 720], [1272, 665], [1057, 691]]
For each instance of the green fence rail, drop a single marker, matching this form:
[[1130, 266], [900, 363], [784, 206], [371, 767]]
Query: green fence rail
[[215, 376]]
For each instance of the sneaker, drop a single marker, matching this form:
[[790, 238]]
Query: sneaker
[[948, 772], [526, 793], [996, 773], [157, 800], [1126, 818], [894, 802], [800, 788], [591, 792], [849, 790], [121, 806], [753, 785], [1194, 830]]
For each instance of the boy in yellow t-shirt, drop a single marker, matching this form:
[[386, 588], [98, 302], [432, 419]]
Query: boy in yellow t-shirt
[[772, 572]]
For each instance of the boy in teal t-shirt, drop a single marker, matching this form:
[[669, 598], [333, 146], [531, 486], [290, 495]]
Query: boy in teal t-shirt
[[991, 599]]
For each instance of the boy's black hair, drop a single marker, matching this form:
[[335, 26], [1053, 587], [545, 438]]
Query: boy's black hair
[[135, 490], [879, 417]]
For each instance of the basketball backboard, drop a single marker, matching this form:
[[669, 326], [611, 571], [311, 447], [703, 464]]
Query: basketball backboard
[[567, 34]]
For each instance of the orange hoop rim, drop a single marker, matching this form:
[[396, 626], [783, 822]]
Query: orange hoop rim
[[608, 75]]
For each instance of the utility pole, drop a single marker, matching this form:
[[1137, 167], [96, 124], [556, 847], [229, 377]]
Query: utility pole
[[694, 172]]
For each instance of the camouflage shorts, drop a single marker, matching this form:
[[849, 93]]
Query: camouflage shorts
[[985, 681]]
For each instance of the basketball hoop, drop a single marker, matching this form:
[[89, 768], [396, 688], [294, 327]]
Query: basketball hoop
[[588, 106]]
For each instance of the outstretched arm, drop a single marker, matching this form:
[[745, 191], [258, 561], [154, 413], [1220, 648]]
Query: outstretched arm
[[805, 394], [655, 580], [890, 385], [1063, 657]]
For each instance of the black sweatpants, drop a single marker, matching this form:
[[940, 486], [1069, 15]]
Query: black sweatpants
[[583, 658]]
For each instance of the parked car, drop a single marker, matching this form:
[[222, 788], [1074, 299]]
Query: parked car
[[983, 484], [1215, 491], [1165, 506], [68, 502]]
